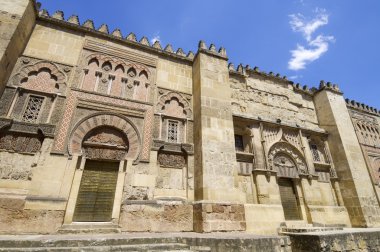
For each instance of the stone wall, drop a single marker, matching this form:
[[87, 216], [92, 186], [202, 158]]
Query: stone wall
[[271, 100], [156, 216], [361, 202], [349, 240], [17, 21], [58, 45]]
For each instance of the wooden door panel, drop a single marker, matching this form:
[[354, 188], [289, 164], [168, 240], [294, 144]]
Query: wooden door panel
[[97, 191]]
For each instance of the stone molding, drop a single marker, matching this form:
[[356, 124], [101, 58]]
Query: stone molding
[[173, 147], [47, 130]]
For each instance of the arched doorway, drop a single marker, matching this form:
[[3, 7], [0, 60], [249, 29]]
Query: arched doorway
[[103, 148], [288, 193], [289, 164]]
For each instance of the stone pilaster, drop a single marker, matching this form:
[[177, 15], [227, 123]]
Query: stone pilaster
[[359, 198], [215, 156]]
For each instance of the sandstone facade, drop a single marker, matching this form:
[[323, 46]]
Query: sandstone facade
[[97, 127]]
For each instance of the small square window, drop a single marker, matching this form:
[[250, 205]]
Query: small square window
[[172, 131], [33, 109]]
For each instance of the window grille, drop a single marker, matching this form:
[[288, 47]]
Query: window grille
[[239, 145], [173, 132], [314, 151], [33, 109]]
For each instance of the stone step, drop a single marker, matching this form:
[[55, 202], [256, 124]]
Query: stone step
[[90, 228], [83, 241], [296, 224], [173, 247], [286, 230]]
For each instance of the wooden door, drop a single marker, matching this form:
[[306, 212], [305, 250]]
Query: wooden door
[[96, 192], [289, 199]]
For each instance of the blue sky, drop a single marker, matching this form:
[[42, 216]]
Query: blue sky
[[306, 40]]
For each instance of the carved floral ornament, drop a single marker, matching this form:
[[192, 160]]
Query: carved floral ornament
[[42, 76], [174, 104], [100, 133], [286, 160]]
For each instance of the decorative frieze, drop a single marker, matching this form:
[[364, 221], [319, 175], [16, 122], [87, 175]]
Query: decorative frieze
[[20, 143]]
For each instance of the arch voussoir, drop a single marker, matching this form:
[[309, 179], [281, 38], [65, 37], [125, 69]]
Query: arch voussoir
[[87, 125]]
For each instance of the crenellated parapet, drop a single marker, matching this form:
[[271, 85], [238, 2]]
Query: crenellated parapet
[[211, 50], [362, 107], [246, 71], [89, 26]]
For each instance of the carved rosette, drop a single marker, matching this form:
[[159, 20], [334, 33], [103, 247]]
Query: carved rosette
[[286, 160]]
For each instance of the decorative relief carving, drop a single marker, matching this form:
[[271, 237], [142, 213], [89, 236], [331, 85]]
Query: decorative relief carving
[[107, 136], [15, 173], [40, 76], [292, 137], [282, 156], [20, 142], [104, 153], [172, 160], [105, 143], [174, 104], [367, 131], [271, 135], [285, 166]]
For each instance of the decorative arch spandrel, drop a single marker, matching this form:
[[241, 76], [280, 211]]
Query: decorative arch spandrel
[[42, 76], [287, 160], [175, 105]]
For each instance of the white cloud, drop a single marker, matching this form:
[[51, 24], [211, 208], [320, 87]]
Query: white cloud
[[294, 77], [302, 56], [316, 47], [154, 39]]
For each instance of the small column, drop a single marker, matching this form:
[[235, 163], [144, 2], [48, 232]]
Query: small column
[[124, 82], [308, 155], [13, 103], [337, 191], [55, 98], [111, 79], [85, 72], [98, 74], [160, 127]]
